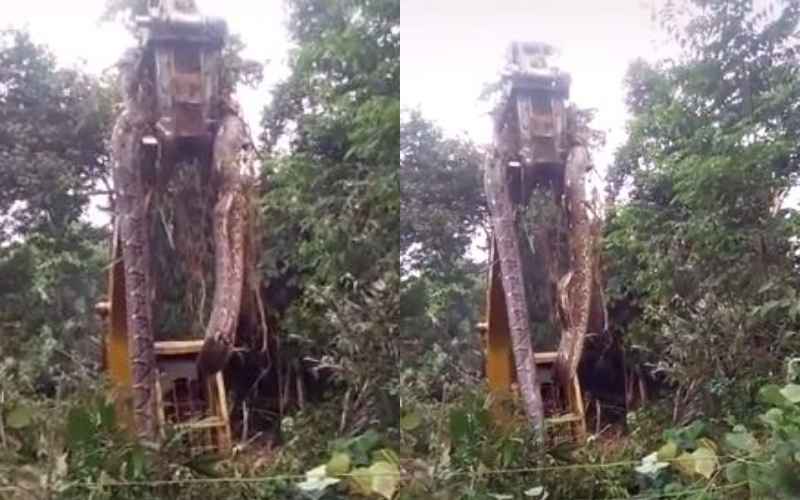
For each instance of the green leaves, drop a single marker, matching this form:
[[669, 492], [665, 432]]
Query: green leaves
[[742, 441], [771, 394], [685, 451], [410, 421], [376, 131], [772, 417], [441, 210], [331, 210], [769, 465], [780, 396], [668, 451], [698, 250], [19, 417], [687, 437], [443, 201], [704, 461], [52, 131], [359, 448], [53, 125], [378, 475], [467, 423], [338, 464], [385, 477], [80, 427], [791, 392]]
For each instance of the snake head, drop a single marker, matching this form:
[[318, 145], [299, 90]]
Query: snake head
[[213, 356]]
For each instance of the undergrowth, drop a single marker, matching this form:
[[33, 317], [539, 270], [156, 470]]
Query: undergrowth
[[460, 448]]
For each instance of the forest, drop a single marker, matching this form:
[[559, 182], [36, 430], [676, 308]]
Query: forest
[[366, 255]]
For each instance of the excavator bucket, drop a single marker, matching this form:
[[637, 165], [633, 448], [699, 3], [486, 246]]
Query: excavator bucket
[[186, 53], [535, 106], [180, 66], [534, 143]]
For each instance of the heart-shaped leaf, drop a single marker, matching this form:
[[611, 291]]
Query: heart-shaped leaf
[[772, 394], [685, 464], [385, 478], [705, 462], [667, 452], [742, 441], [736, 472], [791, 392], [361, 481], [772, 417], [410, 422], [20, 417], [338, 464]]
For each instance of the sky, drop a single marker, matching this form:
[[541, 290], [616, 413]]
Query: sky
[[451, 48], [72, 31]]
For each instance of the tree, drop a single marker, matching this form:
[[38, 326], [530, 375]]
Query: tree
[[443, 204], [52, 127], [52, 160], [442, 212], [704, 246], [331, 208]]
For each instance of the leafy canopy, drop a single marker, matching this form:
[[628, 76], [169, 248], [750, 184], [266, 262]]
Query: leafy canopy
[[331, 208], [700, 239]]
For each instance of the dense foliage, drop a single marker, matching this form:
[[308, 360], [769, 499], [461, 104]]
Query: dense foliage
[[332, 199], [370, 267], [329, 223], [700, 254], [53, 123], [442, 209], [443, 202], [702, 246]]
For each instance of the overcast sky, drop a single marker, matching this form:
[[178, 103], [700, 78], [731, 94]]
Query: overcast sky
[[450, 48], [71, 29]]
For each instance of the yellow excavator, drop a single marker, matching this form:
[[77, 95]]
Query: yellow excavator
[[543, 295], [176, 110]]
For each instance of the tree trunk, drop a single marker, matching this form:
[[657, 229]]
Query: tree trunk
[[508, 250]]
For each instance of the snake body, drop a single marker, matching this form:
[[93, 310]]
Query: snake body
[[132, 219], [233, 155]]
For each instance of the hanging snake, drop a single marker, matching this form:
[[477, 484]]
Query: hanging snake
[[575, 287], [233, 158]]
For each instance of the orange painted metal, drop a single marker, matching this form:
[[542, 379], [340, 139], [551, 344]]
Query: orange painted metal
[[116, 355], [500, 372], [116, 360], [500, 369]]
